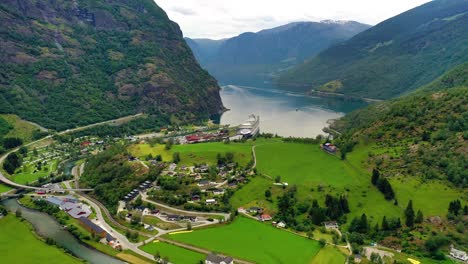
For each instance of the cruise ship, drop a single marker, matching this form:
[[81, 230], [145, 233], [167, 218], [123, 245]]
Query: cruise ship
[[250, 127]]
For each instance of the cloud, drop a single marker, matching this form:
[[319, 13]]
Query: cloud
[[227, 18], [184, 11]]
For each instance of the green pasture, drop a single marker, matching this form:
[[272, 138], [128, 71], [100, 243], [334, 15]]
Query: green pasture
[[16, 239], [196, 153], [252, 240], [175, 254], [329, 255]]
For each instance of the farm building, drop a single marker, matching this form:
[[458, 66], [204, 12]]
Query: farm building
[[92, 227], [331, 225]]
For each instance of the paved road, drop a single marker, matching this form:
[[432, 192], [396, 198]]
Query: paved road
[[144, 197], [16, 185], [100, 123]]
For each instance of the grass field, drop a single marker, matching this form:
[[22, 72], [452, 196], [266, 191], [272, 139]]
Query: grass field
[[4, 188], [27, 175], [329, 255], [252, 240], [21, 129], [253, 194], [408, 187], [309, 167], [154, 221], [19, 245], [175, 254], [196, 153]]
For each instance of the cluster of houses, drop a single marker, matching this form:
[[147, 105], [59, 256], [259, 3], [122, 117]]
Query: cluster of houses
[[259, 213], [70, 205], [81, 211], [226, 175], [206, 137], [134, 193]]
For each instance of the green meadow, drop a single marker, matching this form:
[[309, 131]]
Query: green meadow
[[28, 173], [19, 245], [329, 255], [196, 153], [252, 240], [316, 173], [175, 254], [253, 194], [4, 188], [406, 188], [21, 128]]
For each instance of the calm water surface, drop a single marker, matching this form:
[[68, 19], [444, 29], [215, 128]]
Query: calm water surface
[[283, 113], [46, 226]]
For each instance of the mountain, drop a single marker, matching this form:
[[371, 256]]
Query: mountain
[[391, 58], [253, 58], [423, 134], [70, 63]]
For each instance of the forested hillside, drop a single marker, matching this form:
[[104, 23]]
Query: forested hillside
[[427, 129], [112, 176], [70, 63], [391, 58], [254, 58]]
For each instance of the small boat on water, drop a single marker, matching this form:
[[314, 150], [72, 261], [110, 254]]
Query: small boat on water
[[250, 128]]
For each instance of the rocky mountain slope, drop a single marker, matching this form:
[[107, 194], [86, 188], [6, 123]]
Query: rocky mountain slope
[[68, 63], [391, 58]]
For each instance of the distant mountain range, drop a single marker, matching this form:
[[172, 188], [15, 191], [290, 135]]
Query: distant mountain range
[[254, 58], [71, 63], [391, 58]]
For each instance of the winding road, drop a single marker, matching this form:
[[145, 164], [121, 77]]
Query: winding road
[[7, 181]]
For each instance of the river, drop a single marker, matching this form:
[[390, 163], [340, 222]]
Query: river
[[283, 113], [46, 226]]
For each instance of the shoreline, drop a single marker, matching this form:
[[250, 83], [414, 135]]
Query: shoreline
[[310, 94]]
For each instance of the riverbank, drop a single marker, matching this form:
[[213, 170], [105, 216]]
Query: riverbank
[[19, 236], [47, 226]]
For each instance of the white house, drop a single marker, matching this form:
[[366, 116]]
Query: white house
[[331, 225], [210, 201], [281, 224], [218, 192], [216, 259], [458, 254]]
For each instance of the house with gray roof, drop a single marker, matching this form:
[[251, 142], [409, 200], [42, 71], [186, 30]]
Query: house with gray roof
[[217, 259]]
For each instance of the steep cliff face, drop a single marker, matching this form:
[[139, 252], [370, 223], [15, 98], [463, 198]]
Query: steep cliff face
[[65, 63]]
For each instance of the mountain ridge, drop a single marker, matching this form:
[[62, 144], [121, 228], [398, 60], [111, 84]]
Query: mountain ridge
[[252, 58], [395, 56]]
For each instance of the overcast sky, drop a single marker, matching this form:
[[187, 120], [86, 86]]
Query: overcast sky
[[227, 18]]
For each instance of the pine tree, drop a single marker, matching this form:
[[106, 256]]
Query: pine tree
[[375, 176], [344, 204], [385, 226], [419, 217], [409, 214], [455, 207], [363, 224]]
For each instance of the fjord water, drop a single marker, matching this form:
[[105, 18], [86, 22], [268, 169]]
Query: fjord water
[[46, 226], [283, 113]]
